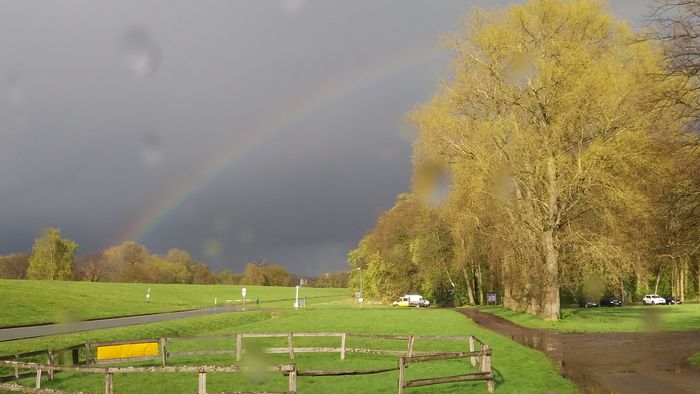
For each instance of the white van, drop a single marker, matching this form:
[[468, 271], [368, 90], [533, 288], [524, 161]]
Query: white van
[[412, 300]]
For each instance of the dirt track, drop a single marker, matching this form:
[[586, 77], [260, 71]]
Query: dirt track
[[611, 362]]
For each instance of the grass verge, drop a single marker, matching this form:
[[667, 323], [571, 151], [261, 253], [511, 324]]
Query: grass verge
[[684, 317]]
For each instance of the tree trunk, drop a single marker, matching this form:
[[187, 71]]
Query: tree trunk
[[684, 280], [550, 304], [479, 284], [506, 298], [550, 301], [642, 284], [658, 277], [622, 291], [470, 291], [674, 282]]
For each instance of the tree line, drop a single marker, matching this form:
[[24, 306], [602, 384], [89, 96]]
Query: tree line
[[54, 258], [559, 161]]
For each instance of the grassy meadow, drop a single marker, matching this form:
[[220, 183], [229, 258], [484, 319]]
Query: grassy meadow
[[517, 369], [27, 302], [685, 317]]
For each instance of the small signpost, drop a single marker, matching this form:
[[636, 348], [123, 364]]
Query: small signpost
[[296, 301], [243, 291], [148, 295], [491, 297]]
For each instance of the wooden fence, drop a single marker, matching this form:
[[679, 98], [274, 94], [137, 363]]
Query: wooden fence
[[289, 370], [57, 360], [484, 360], [63, 356]]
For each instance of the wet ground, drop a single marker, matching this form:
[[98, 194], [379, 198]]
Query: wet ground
[[611, 362]]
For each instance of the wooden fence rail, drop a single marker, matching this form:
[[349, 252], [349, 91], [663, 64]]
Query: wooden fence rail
[[51, 360], [485, 372], [287, 369]]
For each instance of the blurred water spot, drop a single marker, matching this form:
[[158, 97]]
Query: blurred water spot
[[14, 92], [65, 316], [293, 6], [522, 69], [387, 153], [441, 188], [407, 130], [244, 236], [14, 98], [433, 181], [139, 52], [211, 248], [150, 151]]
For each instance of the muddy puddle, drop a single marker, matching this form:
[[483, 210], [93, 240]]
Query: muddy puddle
[[610, 362]]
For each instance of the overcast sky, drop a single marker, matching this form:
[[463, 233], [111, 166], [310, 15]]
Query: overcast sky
[[112, 115]]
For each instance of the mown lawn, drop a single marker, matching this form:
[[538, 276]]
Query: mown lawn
[[27, 302], [684, 317], [518, 369]]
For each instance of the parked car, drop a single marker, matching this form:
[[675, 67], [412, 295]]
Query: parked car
[[653, 299], [672, 301], [587, 304], [411, 300], [610, 301]]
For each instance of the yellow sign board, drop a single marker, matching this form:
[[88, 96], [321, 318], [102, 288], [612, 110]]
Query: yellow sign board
[[131, 350]]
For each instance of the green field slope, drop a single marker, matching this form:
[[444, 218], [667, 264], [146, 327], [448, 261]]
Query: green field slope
[[28, 302]]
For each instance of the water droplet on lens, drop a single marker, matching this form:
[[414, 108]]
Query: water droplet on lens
[[440, 190], [244, 236], [139, 52], [211, 248], [150, 151], [293, 7], [15, 94]]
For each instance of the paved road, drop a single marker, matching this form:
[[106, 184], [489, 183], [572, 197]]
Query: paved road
[[611, 362], [9, 334]]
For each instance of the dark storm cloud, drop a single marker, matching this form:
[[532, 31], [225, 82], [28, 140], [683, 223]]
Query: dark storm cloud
[[104, 106]]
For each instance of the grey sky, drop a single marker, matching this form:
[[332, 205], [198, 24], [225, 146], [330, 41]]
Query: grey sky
[[105, 106]]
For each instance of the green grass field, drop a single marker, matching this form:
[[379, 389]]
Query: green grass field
[[684, 317], [695, 360], [517, 369], [27, 302]]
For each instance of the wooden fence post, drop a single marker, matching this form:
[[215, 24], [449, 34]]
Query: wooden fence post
[[75, 355], [49, 361], [239, 346], [38, 379], [164, 350], [471, 349], [202, 382], [109, 385], [402, 374], [17, 369], [290, 344], [293, 380], [486, 366], [411, 340], [342, 346]]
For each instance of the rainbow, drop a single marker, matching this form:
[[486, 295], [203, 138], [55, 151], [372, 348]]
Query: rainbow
[[238, 145]]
